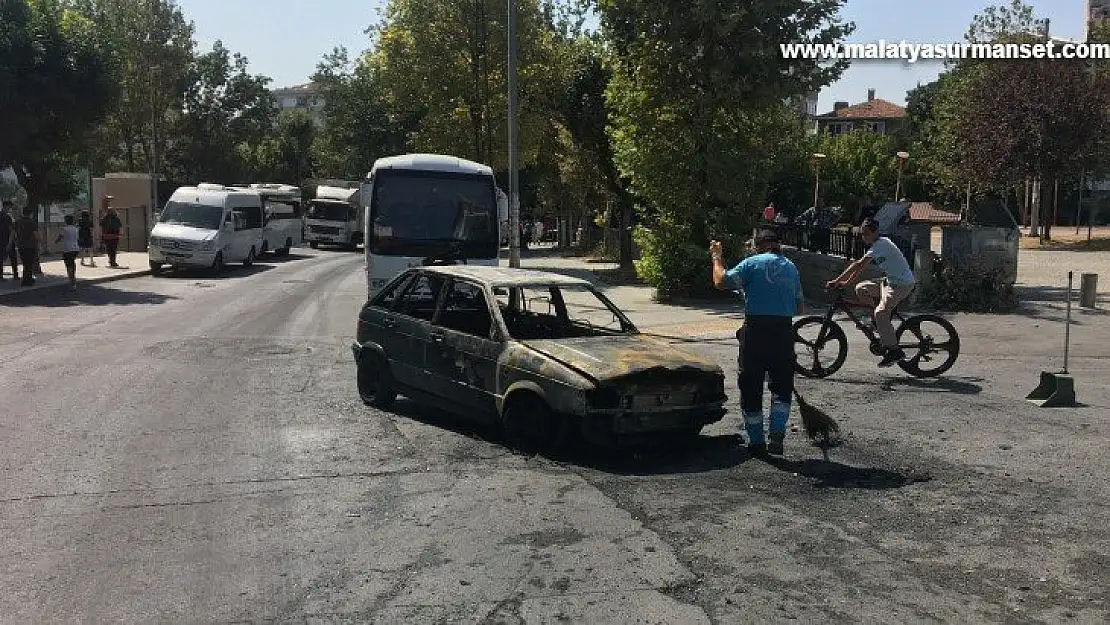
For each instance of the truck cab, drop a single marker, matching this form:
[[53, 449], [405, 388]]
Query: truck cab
[[334, 217]]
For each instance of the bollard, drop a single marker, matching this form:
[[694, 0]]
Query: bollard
[[1088, 289]]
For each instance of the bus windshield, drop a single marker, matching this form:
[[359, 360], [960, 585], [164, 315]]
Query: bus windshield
[[330, 211], [193, 215], [418, 213]]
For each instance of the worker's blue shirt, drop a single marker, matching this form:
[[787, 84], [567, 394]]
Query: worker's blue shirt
[[771, 284]]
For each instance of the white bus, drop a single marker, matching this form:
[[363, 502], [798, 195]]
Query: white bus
[[423, 208], [283, 214]]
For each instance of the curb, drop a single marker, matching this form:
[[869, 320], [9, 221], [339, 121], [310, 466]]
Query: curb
[[63, 283]]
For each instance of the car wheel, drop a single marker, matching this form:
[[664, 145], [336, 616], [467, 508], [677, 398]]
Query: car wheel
[[155, 268], [249, 260], [285, 250], [314, 245], [218, 263], [529, 425], [375, 382]]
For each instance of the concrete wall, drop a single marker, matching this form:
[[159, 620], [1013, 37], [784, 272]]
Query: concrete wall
[[817, 269]]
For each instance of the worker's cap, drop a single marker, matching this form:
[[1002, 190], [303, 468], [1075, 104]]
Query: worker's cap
[[766, 236]]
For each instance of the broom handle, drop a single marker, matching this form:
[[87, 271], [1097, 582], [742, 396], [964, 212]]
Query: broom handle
[[1067, 325]]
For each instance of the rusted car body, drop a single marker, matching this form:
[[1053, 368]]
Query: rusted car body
[[529, 350]]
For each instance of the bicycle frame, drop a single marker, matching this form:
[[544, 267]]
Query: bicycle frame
[[846, 306]]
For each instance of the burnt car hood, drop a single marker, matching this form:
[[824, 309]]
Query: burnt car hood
[[605, 358]]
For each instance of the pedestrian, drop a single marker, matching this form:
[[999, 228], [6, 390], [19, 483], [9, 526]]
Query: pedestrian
[[85, 238], [25, 237], [110, 227], [68, 238], [773, 295], [885, 295], [7, 251], [769, 213]]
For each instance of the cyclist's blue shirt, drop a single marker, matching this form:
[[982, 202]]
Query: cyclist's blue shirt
[[771, 284]]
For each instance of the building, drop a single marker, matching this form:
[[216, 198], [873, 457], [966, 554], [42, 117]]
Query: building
[[305, 97], [877, 115], [807, 110]]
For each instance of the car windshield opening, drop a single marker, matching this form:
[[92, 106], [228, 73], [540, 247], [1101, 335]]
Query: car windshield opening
[[329, 211], [557, 312], [192, 215]]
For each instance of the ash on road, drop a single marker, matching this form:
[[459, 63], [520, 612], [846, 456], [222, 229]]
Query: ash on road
[[186, 448]]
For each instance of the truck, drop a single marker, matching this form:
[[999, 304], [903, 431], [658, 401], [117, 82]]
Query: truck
[[335, 217]]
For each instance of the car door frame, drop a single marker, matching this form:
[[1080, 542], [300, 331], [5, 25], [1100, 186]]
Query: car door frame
[[463, 366], [412, 335]]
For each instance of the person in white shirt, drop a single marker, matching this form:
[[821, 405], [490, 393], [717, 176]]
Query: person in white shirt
[[70, 248], [886, 294]]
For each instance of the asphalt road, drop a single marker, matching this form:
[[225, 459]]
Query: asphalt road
[[190, 449]]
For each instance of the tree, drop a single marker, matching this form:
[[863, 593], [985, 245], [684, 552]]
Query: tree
[[286, 156], [225, 106], [443, 62], [360, 126], [57, 81], [697, 119], [154, 44]]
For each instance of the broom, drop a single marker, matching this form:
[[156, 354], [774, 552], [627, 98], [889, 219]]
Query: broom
[[817, 424]]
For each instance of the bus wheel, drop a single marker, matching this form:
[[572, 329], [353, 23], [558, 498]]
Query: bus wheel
[[314, 245], [155, 268], [282, 251]]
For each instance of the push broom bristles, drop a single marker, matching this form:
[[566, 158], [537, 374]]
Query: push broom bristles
[[818, 425]]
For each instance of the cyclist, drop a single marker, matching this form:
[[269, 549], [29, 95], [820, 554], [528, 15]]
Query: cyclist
[[773, 292], [884, 294]]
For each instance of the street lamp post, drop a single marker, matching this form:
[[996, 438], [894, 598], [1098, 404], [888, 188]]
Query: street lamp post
[[514, 182], [902, 157], [817, 156]]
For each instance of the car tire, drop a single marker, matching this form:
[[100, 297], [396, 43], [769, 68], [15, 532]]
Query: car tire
[[155, 268], [284, 251], [218, 263], [375, 382], [529, 425], [249, 260]]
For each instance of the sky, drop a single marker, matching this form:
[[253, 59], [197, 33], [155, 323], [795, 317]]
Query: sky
[[285, 39]]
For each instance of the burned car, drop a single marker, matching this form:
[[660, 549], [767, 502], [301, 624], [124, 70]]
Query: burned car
[[539, 354]]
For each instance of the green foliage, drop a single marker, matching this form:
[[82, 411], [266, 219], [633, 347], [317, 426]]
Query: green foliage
[[154, 44], [970, 289], [360, 126], [697, 123], [671, 264], [57, 81], [860, 167], [442, 62], [225, 106], [285, 156]]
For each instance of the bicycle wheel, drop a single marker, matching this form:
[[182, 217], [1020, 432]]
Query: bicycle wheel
[[936, 348], [828, 339]]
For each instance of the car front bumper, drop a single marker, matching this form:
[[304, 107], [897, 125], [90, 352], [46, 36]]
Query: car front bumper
[[195, 258]]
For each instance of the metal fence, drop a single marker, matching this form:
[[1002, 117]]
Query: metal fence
[[840, 242]]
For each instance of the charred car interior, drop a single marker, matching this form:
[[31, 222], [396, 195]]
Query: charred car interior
[[540, 355]]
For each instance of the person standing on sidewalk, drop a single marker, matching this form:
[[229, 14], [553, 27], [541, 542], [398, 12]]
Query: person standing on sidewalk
[[68, 239], [884, 295], [110, 227], [773, 292], [7, 252], [85, 238], [25, 237]]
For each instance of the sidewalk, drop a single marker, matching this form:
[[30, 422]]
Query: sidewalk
[[131, 264]]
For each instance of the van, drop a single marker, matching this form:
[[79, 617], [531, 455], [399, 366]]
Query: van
[[208, 225]]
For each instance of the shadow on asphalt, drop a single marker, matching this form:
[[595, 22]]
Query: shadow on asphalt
[[85, 295], [702, 454], [957, 385], [230, 272], [270, 258], [831, 474]]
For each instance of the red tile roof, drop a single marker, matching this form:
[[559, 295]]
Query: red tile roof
[[926, 212], [874, 109]]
